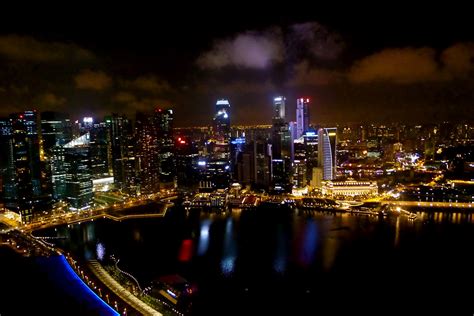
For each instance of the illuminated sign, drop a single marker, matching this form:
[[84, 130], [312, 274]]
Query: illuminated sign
[[277, 99], [87, 120], [201, 163], [222, 102]]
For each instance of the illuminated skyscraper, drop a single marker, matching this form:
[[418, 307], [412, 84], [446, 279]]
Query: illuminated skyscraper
[[22, 188], [327, 138], [122, 150], [222, 121], [77, 164], [302, 116], [215, 172], [163, 124], [281, 148], [147, 154], [100, 146], [279, 108]]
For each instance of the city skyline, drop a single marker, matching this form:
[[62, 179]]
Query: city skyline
[[350, 70]]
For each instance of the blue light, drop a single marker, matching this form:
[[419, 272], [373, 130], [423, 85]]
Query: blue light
[[85, 287], [238, 141], [171, 293], [201, 163]]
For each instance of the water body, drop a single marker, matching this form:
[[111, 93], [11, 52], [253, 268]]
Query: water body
[[44, 286], [260, 263]]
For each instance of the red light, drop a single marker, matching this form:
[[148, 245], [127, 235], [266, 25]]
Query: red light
[[307, 100], [21, 116], [179, 139], [186, 250], [182, 142]]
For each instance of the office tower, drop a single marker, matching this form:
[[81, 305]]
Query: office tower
[[77, 164], [163, 124], [99, 145], [122, 145], [279, 109], [215, 170], [302, 116], [186, 153], [281, 148], [263, 162], [22, 183], [293, 136], [237, 147], [222, 121], [147, 154], [310, 140], [56, 131], [327, 138], [5, 134]]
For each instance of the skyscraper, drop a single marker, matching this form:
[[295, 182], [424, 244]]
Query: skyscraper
[[77, 164], [222, 121], [302, 115], [122, 151], [215, 172], [100, 146], [327, 138], [163, 124], [23, 177], [147, 154], [279, 108], [281, 148]]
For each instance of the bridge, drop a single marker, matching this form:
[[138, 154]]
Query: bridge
[[465, 205]]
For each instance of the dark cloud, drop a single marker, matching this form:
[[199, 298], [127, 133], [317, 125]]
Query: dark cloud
[[124, 97], [150, 84], [148, 104], [316, 39], [249, 50], [397, 65], [304, 74], [459, 59], [92, 80], [24, 48], [51, 100]]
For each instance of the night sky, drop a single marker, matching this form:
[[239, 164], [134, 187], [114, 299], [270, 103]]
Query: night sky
[[391, 64]]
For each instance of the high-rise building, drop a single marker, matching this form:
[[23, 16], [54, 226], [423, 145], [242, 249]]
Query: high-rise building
[[279, 108], [5, 134], [302, 115], [186, 153], [215, 170], [100, 145], [77, 164], [56, 130], [147, 154], [281, 148], [327, 138], [222, 121], [122, 152], [163, 124], [22, 183]]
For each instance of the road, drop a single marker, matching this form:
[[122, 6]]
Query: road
[[120, 291]]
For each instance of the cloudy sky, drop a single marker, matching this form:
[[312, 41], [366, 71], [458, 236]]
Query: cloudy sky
[[409, 66]]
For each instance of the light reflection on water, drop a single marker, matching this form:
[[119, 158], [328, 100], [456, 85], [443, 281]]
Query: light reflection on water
[[292, 250], [203, 243], [229, 248], [281, 251]]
